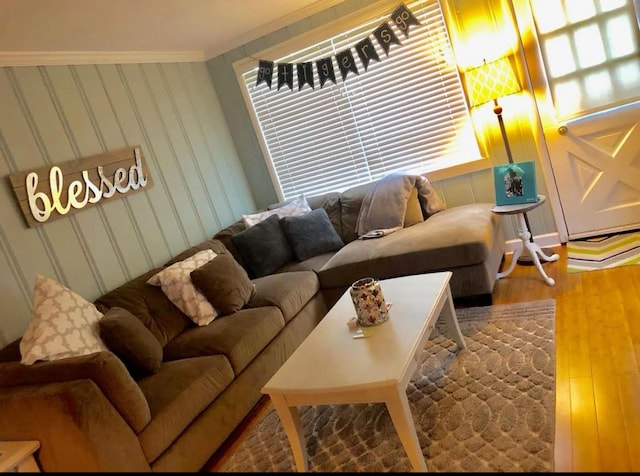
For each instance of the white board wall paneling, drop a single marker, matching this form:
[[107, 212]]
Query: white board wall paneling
[[121, 224], [126, 99], [203, 172], [155, 229], [95, 230], [219, 142], [63, 239], [23, 246], [142, 81]]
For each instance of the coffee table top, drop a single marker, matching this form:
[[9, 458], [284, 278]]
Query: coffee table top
[[330, 359]]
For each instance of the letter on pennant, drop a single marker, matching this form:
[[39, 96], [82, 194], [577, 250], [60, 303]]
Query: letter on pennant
[[346, 63], [305, 75], [403, 18], [325, 71], [385, 36], [285, 75], [265, 72], [366, 51]]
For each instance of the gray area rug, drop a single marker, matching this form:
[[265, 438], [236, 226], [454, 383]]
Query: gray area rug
[[490, 407]]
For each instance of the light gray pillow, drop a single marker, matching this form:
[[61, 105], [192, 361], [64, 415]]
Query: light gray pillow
[[311, 234]]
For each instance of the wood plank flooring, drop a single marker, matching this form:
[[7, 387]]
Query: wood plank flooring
[[597, 364]]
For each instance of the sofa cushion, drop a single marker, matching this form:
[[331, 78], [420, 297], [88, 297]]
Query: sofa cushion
[[224, 236], [63, 324], [264, 247], [177, 395], [103, 368], [224, 283], [454, 237], [330, 201], [314, 263], [413, 214], [290, 292], [311, 234], [239, 336], [149, 304], [127, 337], [351, 201], [217, 246], [175, 282]]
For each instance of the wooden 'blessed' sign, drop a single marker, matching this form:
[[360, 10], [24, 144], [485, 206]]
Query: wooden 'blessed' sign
[[51, 192]]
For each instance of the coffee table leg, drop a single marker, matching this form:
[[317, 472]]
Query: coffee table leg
[[398, 407], [451, 320], [292, 424]]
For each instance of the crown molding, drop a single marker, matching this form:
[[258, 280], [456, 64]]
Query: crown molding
[[57, 58]]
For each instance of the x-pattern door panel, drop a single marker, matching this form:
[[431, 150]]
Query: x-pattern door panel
[[597, 167]]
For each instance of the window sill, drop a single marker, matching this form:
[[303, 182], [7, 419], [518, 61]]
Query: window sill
[[482, 163]]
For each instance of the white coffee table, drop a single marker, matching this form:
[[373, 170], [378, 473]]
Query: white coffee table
[[330, 367]]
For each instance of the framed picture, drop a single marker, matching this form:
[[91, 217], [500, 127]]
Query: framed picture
[[515, 183]]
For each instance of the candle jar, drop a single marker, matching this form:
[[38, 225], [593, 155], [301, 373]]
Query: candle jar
[[367, 297]]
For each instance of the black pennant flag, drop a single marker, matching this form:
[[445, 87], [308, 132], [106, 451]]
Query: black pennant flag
[[403, 18], [385, 36], [285, 75], [265, 72], [305, 75], [346, 63], [325, 71], [366, 51]]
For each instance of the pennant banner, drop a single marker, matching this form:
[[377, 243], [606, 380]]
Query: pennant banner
[[402, 17], [365, 49]]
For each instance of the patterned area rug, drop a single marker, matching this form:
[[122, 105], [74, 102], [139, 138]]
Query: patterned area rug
[[490, 407], [603, 252]]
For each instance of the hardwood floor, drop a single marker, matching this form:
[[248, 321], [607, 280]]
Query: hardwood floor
[[597, 364]]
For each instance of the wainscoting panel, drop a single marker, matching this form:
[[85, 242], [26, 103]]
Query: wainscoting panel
[[59, 113]]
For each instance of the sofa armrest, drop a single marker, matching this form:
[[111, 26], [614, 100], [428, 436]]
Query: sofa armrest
[[77, 427], [104, 368]]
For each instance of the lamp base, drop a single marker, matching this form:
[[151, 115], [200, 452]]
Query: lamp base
[[526, 260]]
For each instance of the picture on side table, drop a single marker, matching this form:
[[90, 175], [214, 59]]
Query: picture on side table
[[515, 183]]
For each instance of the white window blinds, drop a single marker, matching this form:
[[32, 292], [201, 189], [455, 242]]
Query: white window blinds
[[406, 112], [591, 50]]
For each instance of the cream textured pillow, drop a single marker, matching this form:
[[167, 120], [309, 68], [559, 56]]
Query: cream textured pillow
[[63, 324], [297, 206], [176, 284]]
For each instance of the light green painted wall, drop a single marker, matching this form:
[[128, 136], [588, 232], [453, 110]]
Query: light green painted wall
[[50, 115]]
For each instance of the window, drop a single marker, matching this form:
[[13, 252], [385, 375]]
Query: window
[[406, 112], [591, 51]]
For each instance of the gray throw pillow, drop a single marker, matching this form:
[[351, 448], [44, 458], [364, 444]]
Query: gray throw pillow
[[264, 247], [126, 336], [311, 234]]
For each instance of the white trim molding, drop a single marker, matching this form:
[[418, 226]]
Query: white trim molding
[[58, 58]]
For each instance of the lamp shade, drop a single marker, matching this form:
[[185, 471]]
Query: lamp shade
[[491, 81]]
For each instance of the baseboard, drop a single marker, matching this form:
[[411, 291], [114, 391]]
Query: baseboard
[[544, 241]]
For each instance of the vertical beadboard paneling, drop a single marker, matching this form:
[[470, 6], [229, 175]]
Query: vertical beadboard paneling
[[233, 196], [54, 114]]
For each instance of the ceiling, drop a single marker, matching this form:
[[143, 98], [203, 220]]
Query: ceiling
[[197, 29]]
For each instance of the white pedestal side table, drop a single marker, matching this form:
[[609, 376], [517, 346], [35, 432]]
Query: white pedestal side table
[[534, 250]]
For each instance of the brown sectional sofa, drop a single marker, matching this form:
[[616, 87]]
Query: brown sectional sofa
[[93, 413]]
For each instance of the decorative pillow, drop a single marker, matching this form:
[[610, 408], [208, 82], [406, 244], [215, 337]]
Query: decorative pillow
[[264, 247], [311, 234], [224, 283], [127, 337], [295, 207], [63, 324], [175, 281]]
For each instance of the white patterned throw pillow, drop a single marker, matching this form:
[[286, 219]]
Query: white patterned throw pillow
[[63, 324], [297, 206], [176, 284]]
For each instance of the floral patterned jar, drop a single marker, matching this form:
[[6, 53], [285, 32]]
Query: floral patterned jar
[[367, 297]]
